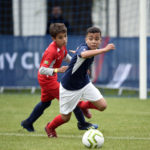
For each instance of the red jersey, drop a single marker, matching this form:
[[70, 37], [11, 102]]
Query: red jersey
[[52, 58]]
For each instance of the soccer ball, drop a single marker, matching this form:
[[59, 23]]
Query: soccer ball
[[93, 138]]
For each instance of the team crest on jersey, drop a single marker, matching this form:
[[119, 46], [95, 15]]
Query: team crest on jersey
[[46, 62]]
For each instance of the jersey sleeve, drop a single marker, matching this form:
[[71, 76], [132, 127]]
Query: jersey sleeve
[[48, 58], [80, 50]]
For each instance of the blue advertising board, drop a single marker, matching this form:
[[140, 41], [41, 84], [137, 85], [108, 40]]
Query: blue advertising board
[[20, 59]]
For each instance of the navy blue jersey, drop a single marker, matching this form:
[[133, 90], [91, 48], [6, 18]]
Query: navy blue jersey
[[76, 76]]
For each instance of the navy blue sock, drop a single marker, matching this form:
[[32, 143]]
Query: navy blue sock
[[37, 111], [79, 115]]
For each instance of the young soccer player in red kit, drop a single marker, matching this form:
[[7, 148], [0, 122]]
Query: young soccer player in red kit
[[76, 85], [47, 76]]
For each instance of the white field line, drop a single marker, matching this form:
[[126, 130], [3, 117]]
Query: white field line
[[74, 136]]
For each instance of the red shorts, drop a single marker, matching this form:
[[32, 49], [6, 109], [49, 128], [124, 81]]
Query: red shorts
[[49, 94]]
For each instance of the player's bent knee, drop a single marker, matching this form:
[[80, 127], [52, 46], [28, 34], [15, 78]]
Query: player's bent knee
[[103, 107], [102, 104], [66, 118]]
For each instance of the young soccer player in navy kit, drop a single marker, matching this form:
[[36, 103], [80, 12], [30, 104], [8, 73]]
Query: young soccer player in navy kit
[[75, 84], [47, 76]]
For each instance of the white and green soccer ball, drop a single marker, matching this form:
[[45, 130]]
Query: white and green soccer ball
[[93, 138]]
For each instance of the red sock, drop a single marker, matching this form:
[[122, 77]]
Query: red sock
[[57, 121], [86, 105]]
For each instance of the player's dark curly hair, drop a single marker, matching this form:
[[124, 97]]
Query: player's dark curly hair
[[93, 30], [56, 28]]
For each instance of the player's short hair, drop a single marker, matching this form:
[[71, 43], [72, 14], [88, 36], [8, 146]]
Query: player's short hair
[[93, 30], [56, 28]]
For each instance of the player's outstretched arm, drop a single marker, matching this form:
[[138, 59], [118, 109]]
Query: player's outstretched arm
[[72, 51], [51, 71], [91, 53]]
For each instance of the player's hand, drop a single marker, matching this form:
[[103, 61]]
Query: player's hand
[[72, 51], [109, 47], [62, 69]]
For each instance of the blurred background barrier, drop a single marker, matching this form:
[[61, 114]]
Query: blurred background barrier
[[20, 58], [24, 37]]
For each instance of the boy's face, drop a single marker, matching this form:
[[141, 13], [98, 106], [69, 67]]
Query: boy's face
[[93, 40], [61, 39]]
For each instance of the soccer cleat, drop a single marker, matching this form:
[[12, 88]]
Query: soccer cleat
[[86, 126], [86, 113], [50, 132], [27, 126]]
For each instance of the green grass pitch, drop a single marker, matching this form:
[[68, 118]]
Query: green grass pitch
[[125, 125]]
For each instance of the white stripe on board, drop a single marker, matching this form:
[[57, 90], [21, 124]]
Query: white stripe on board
[[75, 136]]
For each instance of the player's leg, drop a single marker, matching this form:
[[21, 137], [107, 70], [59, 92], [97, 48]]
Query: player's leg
[[92, 94], [57, 121], [37, 111], [86, 112], [81, 124], [100, 104], [85, 106], [77, 111], [67, 102], [35, 114]]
